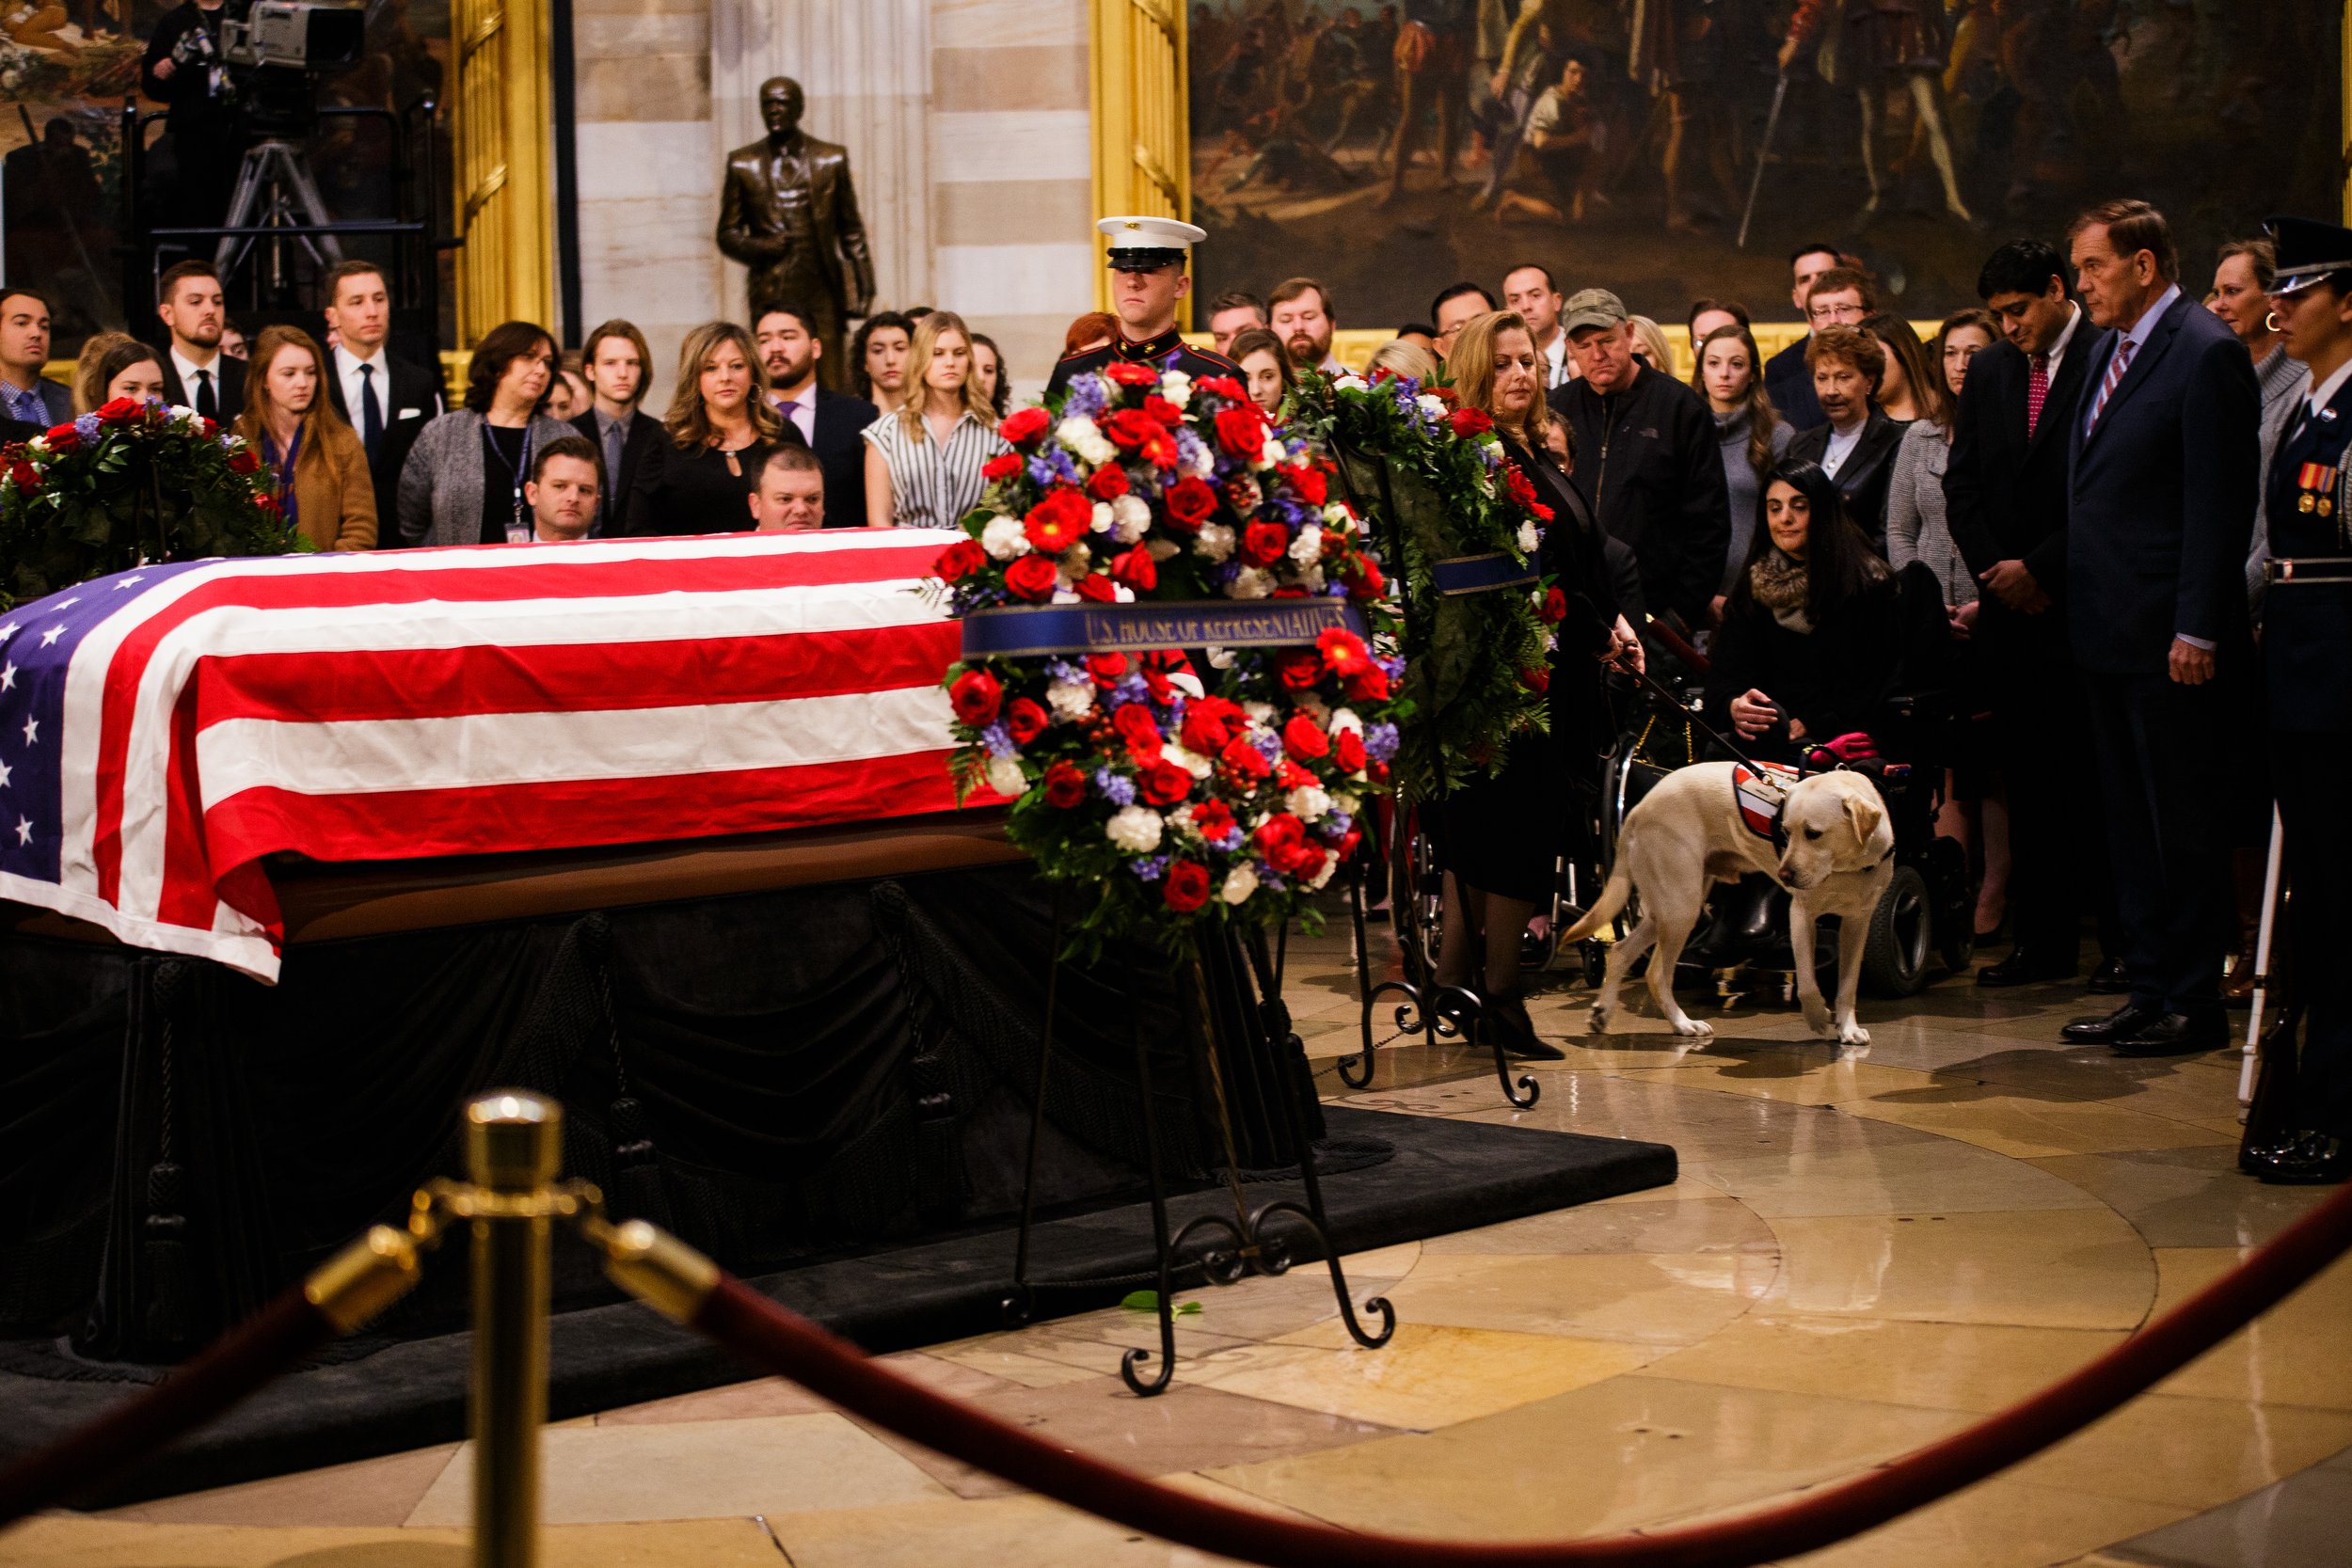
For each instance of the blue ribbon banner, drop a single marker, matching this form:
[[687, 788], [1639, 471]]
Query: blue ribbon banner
[[1481, 573], [1017, 631]]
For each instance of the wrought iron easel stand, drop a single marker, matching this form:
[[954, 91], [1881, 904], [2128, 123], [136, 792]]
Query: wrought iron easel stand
[[1231, 1250]]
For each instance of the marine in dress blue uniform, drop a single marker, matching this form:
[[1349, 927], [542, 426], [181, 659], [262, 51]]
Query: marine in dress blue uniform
[[1155, 248], [2307, 654]]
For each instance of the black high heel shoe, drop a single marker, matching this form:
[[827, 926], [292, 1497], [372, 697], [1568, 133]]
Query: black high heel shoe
[[1507, 1016]]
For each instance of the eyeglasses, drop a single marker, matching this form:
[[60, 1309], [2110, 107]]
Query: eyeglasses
[[1844, 315]]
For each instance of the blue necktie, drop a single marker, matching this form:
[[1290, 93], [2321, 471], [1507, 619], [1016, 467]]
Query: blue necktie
[[370, 411]]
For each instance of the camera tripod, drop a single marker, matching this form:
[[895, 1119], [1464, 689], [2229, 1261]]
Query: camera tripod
[[276, 190]]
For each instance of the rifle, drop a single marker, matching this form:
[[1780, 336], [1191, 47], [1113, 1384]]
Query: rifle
[[1763, 152]]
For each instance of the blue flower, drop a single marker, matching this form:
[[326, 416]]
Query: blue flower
[[1131, 689], [1269, 745], [1151, 868], [1380, 742], [1188, 448], [87, 427], [998, 740], [1335, 826], [1117, 789], [1087, 396], [1230, 842], [1063, 669]]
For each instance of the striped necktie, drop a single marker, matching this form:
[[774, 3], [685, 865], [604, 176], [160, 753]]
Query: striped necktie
[[2106, 387]]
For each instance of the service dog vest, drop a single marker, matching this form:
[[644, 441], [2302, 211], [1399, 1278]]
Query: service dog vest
[[1759, 792]]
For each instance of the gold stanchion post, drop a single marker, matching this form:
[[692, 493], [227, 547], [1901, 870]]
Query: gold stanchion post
[[514, 1144]]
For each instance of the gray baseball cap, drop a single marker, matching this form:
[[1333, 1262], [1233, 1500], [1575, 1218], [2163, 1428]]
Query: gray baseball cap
[[1592, 308]]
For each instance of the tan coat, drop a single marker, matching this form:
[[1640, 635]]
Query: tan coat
[[334, 498]]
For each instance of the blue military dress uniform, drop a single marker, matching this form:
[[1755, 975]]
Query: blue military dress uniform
[[2307, 657]]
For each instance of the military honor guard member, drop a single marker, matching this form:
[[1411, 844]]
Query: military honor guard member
[[2307, 651], [1148, 257]]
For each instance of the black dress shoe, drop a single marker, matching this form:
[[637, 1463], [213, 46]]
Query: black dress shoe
[[2111, 978], [2305, 1159], [2174, 1035], [2129, 1018], [1507, 1016], [2022, 967]]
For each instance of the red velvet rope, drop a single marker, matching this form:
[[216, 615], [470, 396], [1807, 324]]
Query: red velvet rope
[[231, 1368], [780, 1341]]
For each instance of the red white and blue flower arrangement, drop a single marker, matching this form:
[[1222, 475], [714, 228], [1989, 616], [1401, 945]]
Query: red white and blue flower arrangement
[[1180, 804]]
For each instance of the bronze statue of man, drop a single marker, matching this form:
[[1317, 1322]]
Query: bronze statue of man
[[786, 210]]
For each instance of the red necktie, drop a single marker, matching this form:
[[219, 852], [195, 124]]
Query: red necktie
[[2037, 392]]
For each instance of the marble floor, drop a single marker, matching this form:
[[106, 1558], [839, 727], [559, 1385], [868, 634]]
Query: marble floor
[[1867, 1249]]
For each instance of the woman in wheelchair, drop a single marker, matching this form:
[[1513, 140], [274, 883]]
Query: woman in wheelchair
[[1818, 631], [1497, 839]]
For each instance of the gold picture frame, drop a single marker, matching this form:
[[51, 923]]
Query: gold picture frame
[[501, 109]]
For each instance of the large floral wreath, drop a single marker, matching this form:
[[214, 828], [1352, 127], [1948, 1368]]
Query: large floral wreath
[[1479, 662], [131, 483], [1182, 805]]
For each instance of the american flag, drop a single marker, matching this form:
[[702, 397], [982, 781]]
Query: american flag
[[163, 729]]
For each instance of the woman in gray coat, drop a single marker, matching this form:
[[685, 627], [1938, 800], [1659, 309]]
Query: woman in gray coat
[[1916, 525], [463, 482], [1751, 434]]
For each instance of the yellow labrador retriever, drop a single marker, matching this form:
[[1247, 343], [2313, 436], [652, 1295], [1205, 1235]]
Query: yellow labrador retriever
[[1829, 844]]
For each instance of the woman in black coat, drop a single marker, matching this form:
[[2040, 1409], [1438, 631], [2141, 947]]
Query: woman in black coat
[[1818, 632], [1497, 839]]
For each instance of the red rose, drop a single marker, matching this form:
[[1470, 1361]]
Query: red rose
[[206, 428], [1189, 504], [1224, 387], [1543, 513], [959, 561], [1059, 521], [27, 476], [1363, 578], [1516, 482], [119, 410], [61, 437], [1242, 430], [1130, 428], [1187, 886], [1023, 426], [1347, 844], [975, 694], [1305, 862], [1304, 739], [1368, 685], [1107, 669], [1136, 569], [1107, 482], [1242, 760], [1471, 421], [1160, 409], [1263, 544], [1536, 678], [1307, 482], [1097, 586], [1347, 750], [1210, 722], [1213, 820], [1024, 721], [1003, 464], [1131, 376], [1300, 668], [1164, 783], [1032, 577], [1278, 830], [267, 504], [243, 461], [1065, 786], [1139, 730], [1343, 651]]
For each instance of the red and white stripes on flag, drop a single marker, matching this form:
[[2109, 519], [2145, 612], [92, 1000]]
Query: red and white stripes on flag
[[477, 701]]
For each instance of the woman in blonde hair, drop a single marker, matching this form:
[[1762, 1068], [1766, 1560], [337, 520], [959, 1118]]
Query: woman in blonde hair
[[722, 428], [89, 388], [1405, 358], [324, 489], [1499, 839], [923, 461]]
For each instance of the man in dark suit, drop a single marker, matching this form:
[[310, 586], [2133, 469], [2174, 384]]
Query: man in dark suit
[[2162, 482], [1788, 379], [615, 359], [788, 211], [1855, 445], [25, 394], [2004, 495], [831, 422], [386, 400], [197, 375]]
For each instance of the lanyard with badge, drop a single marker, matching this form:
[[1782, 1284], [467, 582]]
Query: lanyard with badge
[[518, 526]]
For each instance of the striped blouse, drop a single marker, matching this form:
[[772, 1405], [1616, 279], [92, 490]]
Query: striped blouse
[[933, 485]]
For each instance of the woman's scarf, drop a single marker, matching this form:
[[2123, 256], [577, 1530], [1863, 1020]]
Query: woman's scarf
[[1780, 582]]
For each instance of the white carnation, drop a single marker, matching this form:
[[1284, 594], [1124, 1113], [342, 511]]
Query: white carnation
[[1076, 430], [1135, 829], [1345, 719], [1250, 583], [1311, 579], [1308, 803], [1165, 549], [1191, 762], [1331, 864], [1308, 548], [1219, 658], [1337, 517], [1343, 801], [1130, 519], [1076, 562], [1004, 537], [1260, 713], [1528, 540], [1006, 777], [1070, 699], [1268, 457], [1176, 387], [1432, 406], [1100, 522], [1351, 382], [1214, 541], [1240, 883]]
